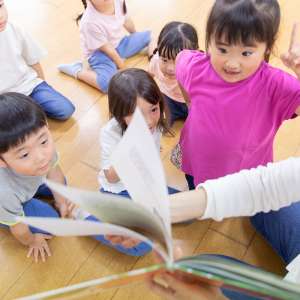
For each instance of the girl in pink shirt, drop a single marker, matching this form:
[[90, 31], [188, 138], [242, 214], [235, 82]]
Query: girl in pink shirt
[[173, 38], [237, 100], [104, 42]]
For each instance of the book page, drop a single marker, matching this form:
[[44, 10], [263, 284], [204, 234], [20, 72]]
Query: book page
[[138, 164], [114, 209], [69, 227]]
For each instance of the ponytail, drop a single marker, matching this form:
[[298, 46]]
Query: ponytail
[[80, 16]]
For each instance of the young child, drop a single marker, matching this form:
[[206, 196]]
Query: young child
[[104, 43], [21, 71], [237, 100], [27, 156], [173, 38], [129, 89]]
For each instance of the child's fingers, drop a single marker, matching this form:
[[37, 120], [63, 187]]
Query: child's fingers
[[129, 243], [42, 254], [47, 249], [29, 253]]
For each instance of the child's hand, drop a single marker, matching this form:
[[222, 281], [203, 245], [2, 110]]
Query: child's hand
[[39, 247], [122, 240], [292, 58]]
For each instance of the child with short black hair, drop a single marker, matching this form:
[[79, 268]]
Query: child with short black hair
[[173, 38], [21, 70], [27, 156]]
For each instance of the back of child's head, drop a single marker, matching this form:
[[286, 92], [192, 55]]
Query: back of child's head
[[174, 37], [124, 89], [245, 22], [20, 117], [84, 2]]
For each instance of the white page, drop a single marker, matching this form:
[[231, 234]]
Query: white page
[[69, 227], [139, 166], [114, 209]]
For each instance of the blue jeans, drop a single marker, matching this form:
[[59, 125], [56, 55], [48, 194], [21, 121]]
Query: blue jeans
[[139, 250], [37, 208], [281, 229], [54, 104], [105, 67], [178, 110]]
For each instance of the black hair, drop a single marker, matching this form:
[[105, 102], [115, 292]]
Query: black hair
[[84, 2], [174, 37], [244, 21], [124, 89], [20, 116]]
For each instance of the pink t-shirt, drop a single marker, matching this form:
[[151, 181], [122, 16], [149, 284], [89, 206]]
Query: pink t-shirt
[[231, 126], [168, 86], [97, 29]]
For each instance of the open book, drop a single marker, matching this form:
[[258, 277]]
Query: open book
[[147, 217]]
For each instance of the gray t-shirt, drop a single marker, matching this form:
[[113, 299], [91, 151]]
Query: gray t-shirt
[[15, 190]]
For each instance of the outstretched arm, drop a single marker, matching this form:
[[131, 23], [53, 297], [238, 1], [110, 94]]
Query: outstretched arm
[[245, 193]]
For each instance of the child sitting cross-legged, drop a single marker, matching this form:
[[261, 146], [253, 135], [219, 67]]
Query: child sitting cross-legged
[[27, 157]]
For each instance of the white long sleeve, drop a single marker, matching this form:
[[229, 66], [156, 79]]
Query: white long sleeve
[[248, 192]]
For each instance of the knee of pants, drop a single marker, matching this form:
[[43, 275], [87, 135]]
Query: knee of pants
[[139, 250], [103, 80], [66, 111]]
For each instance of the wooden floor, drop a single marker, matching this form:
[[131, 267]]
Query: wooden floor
[[78, 259]]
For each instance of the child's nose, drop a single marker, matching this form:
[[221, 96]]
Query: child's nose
[[232, 64]]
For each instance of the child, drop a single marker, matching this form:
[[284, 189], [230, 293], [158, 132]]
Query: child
[[27, 156], [174, 37], [21, 71], [103, 42], [129, 89], [237, 100]]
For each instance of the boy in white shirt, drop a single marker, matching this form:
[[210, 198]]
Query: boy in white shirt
[[21, 71]]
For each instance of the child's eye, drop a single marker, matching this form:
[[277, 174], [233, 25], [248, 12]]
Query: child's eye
[[222, 50], [247, 53], [44, 142], [24, 155], [154, 109]]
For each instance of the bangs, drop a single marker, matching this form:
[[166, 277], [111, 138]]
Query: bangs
[[244, 28], [171, 45]]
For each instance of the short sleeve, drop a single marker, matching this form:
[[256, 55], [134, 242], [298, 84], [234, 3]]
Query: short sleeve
[[9, 209], [109, 139], [285, 94], [95, 35], [183, 62], [31, 50]]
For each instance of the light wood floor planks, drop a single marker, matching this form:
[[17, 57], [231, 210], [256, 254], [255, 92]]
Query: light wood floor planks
[[78, 259]]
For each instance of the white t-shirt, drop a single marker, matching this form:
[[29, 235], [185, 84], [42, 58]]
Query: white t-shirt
[[110, 136], [18, 51], [97, 29], [257, 190]]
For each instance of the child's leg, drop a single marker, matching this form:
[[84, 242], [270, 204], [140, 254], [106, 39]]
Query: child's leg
[[177, 109], [53, 103], [133, 43], [281, 229], [104, 68], [38, 208], [139, 250]]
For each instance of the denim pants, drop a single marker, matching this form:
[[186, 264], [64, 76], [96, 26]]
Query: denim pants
[[105, 67], [54, 104]]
